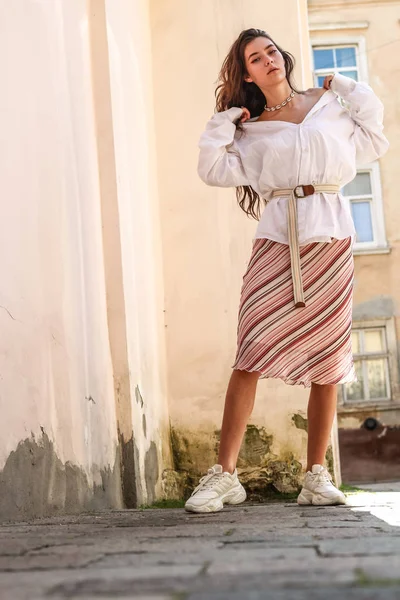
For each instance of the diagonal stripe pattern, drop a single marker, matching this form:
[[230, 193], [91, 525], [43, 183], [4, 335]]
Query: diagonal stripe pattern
[[298, 346]]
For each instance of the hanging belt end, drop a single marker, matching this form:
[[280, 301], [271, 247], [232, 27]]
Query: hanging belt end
[[300, 304]]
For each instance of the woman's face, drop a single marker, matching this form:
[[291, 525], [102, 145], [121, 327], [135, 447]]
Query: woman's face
[[264, 63]]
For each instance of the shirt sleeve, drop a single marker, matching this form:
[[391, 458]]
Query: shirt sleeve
[[366, 110], [219, 163]]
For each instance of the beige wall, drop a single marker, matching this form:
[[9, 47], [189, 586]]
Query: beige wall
[[129, 45], [81, 321], [377, 285], [206, 237]]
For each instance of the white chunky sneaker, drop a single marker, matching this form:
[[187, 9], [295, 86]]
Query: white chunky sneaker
[[214, 490], [319, 490]]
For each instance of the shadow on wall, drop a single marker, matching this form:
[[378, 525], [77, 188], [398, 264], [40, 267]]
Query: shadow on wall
[[35, 483]]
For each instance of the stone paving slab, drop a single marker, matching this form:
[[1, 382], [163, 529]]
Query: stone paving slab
[[273, 551]]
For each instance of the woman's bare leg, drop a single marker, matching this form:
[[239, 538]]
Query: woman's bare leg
[[239, 404], [320, 413]]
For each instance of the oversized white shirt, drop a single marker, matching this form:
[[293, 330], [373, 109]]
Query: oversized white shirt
[[324, 148]]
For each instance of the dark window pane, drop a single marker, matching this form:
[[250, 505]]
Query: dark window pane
[[323, 59], [321, 81], [346, 57]]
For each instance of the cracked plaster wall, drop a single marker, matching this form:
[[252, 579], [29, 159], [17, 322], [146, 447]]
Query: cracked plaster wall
[[74, 161], [56, 376]]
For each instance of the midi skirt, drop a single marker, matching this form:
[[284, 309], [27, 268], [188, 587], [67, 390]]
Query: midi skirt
[[300, 346]]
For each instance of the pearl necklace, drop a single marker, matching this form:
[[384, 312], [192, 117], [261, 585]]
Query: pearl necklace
[[278, 106]]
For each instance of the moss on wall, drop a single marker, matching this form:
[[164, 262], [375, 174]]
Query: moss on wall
[[256, 447], [262, 473], [300, 422]]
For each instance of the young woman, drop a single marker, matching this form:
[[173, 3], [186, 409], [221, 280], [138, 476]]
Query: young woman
[[291, 151]]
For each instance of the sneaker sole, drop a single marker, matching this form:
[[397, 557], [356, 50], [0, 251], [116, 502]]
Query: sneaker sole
[[306, 498], [236, 496]]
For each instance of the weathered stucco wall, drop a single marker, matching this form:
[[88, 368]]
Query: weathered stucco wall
[[130, 60], [207, 239], [56, 386], [82, 380]]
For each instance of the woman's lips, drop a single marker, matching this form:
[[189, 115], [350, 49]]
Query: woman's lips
[[272, 70]]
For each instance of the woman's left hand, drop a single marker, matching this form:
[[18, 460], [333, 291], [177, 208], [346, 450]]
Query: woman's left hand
[[327, 82]]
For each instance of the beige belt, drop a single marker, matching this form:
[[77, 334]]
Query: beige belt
[[301, 191]]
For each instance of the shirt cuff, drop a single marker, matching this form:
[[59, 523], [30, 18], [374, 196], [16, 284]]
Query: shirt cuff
[[342, 85], [234, 113]]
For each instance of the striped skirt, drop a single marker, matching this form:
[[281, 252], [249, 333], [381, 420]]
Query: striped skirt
[[298, 345]]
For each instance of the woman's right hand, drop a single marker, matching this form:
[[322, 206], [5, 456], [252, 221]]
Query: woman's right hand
[[245, 114]]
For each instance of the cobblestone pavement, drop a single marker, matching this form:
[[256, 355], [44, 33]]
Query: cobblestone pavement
[[272, 551]]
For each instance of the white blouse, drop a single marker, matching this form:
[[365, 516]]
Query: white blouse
[[323, 148]]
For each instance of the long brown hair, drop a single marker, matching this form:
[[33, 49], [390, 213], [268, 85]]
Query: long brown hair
[[233, 90]]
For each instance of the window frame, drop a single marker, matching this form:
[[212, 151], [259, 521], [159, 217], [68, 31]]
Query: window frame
[[343, 40], [379, 243], [364, 357], [389, 325], [328, 71]]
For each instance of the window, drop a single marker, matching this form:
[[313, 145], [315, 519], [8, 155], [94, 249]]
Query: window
[[371, 366], [359, 193], [335, 59], [347, 55], [365, 197]]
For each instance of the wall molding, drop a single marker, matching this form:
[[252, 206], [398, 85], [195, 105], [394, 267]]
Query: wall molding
[[318, 5], [342, 25]]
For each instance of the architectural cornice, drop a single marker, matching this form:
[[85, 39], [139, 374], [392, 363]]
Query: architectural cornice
[[339, 25], [314, 5]]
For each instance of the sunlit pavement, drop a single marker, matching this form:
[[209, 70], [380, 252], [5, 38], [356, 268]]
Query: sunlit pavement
[[272, 551], [380, 500]]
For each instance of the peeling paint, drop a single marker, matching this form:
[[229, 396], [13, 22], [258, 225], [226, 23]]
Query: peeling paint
[[138, 397], [256, 447], [131, 486], [144, 426], [36, 483], [274, 476], [151, 472], [194, 451], [262, 473], [329, 461], [180, 447], [300, 422], [176, 485]]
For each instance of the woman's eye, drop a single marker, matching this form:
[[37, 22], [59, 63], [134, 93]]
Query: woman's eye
[[273, 51], [256, 59]]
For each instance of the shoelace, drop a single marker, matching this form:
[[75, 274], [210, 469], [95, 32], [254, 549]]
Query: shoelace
[[323, 477], [208, 481]]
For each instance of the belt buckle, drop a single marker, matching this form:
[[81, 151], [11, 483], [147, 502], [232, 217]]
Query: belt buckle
[[301, 192], [298, 193]]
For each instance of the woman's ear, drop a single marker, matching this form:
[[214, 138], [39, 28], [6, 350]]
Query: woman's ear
[[248, 79]]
